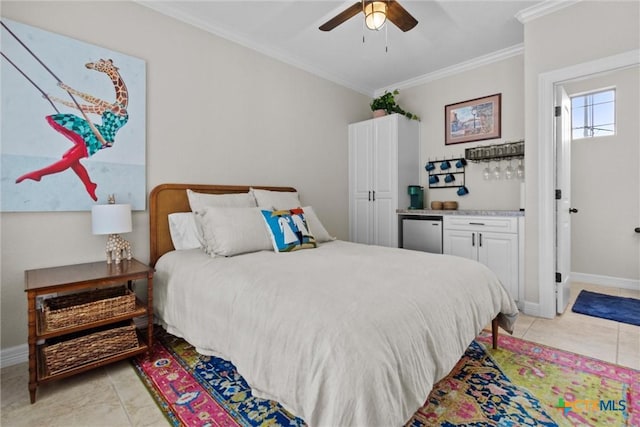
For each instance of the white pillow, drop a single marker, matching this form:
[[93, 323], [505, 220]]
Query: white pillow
[[185, 233], [233, 231], [315, 226], [277, 200], [197, 201]]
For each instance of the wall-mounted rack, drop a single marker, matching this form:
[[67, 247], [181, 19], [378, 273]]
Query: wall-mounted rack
[[496, 151], [441, 176]]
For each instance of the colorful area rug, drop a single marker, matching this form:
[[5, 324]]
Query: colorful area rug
[[621, 309], [520, 384]]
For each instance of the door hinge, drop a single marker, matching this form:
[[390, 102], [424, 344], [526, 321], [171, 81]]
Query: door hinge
[[558, 111], [558, 277], [558, 194]]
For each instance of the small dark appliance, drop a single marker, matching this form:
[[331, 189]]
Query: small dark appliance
[[416, 195]]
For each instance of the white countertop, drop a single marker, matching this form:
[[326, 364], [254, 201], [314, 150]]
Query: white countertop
[[471, 212]]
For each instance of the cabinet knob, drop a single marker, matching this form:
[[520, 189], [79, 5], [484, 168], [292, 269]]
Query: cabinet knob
[[573, 210], [637, 230]]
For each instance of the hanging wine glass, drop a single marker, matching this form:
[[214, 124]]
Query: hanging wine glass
[[520, 170], [486, 172], [497, 172], [509, 172]]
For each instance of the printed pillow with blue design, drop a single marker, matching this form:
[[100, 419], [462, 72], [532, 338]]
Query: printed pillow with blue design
[[289, 230]]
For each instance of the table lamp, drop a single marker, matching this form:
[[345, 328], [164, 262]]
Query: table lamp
[[112, 219]]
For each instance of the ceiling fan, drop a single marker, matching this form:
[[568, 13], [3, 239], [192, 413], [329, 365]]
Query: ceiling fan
[[376, 14]]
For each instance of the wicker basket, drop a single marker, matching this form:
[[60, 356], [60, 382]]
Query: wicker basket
[[86, 307], [89, 348]]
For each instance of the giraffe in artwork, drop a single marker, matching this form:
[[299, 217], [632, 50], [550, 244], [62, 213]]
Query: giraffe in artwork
[[99, 106], [88, 138]]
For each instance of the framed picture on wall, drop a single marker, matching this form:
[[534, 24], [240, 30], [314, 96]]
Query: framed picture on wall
[[473, 120]]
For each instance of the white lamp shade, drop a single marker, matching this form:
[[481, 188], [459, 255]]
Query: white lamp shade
[[111, 219]]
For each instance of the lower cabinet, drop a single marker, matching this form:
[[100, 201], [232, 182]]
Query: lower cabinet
[[493, 241]]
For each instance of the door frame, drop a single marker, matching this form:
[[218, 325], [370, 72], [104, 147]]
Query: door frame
[[547, 163]]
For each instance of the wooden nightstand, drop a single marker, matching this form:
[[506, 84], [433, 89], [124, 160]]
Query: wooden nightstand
[[83, 277]]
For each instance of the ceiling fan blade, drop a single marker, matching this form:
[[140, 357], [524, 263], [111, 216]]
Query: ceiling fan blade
[[400, 17], [341, 17]]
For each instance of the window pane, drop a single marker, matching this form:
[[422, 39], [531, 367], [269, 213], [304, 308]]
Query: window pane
[[577, 118], [607, 96], [604, 130], [603, 113], [577, 102], [593, 114]]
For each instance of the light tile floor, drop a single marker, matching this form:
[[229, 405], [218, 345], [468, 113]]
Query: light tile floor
[[114, 396]]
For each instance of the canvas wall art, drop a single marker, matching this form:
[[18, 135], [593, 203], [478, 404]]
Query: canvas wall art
[[73, 123]]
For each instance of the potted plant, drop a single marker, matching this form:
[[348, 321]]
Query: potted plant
[[386, 104]]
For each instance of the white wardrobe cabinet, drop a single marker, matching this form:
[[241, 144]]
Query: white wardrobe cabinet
[[384, 156], [493, 241]]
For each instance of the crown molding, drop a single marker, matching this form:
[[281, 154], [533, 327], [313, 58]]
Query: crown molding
[[166, 9], [458, 68], [541, 9]]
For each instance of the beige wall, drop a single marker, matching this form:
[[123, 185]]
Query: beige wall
[[428, 101], [605, 178], [216, 113], [583, 32]]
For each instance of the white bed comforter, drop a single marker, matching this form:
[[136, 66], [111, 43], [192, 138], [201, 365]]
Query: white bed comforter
[[341, 335]]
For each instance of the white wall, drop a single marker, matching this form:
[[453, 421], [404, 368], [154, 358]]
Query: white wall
[[605, 185], [217, 113], [583, 32], [428, 101]]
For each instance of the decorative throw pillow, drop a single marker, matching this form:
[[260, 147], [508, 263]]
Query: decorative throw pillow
[[289, 230], [268, 199], [197, 201], [233, 231], [315, 226], [185, 233]]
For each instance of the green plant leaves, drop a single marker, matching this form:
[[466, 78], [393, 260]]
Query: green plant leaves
[[387, 102]]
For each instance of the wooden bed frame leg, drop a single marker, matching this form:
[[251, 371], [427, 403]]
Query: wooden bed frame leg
[[494, 332]]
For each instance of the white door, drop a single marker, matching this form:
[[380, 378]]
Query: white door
[[563, 203], [360, 182], [385, 176]]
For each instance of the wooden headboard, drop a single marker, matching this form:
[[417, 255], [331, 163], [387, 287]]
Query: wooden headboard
[[169, 198]]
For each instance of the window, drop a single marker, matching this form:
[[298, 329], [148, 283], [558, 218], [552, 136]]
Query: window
[[593, 114]]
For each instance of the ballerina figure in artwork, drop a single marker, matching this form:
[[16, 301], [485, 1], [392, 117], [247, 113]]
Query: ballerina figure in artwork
[[87, 138]]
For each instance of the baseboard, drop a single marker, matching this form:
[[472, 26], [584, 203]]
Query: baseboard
[[14, 355], [613, 282], [531, 309]]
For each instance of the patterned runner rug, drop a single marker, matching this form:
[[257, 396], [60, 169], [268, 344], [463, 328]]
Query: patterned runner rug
[[520, 384]]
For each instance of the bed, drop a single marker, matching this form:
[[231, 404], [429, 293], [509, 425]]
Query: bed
[[343, 334]]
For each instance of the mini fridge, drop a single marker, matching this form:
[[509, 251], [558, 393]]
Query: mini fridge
[[422, 234]]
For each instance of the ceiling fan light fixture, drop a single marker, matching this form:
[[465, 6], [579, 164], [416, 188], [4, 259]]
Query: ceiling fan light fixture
[[375, 14]]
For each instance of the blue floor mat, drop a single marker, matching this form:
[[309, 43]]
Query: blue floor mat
[[620, 309]]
